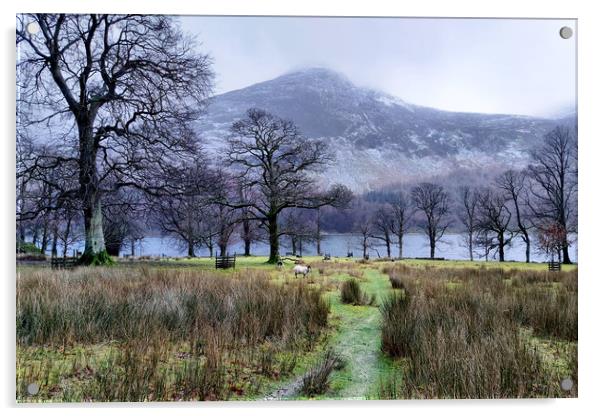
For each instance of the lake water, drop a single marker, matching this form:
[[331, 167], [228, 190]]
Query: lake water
[[414, 245]]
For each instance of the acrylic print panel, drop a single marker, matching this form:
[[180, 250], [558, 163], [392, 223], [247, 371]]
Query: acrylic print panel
[[284, 208]]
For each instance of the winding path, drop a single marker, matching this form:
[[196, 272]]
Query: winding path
[[358, 342]]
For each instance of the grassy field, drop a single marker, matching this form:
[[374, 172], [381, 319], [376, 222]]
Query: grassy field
[[180, 330]]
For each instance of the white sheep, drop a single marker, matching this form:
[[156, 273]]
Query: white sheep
[[300, 269]]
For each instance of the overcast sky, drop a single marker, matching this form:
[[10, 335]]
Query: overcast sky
[[478, 65]]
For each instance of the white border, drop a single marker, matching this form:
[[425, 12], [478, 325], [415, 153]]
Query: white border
[[590, 128]]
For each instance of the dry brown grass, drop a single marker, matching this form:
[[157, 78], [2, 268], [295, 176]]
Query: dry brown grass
[[460, 331], [218, 325], [93, 305], [317, 380], [351, 293], [329, 268]]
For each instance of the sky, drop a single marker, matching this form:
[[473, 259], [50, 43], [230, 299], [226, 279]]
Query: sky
[[509, 66]]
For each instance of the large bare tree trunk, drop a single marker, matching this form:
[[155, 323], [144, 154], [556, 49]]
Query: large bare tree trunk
[[55, 239], [500, 240], [95, 252], [34, 238], [273, 232], [66, 241], [247, 236], [191, 249], [432, 243], [318, 234], [470, 245], [565, 254], [400, 243], [388, 244], [210, 246], [44, 242]]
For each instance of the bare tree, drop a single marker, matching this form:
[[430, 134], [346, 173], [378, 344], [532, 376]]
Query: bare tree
[[318, 232], [41, 194], [363, 226], [250, 230], [127, 85], [494, 216], [550, 240], [433, 202], [272, 158], [513, 183], [468, 216], [122, 218], [297, 224], [383, 225], [402, 215], [554, 176], [225, 221], [67, 228], [135, 234], [182, 217], [185, 215], [485, 241]]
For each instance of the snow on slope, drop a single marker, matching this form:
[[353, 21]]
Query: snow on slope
[[379, 139]]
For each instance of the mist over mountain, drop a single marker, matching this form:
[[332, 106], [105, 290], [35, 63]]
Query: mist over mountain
[[379, 139]]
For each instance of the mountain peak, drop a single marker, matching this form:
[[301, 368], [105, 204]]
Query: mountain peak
[[316, 71], [316, 75]]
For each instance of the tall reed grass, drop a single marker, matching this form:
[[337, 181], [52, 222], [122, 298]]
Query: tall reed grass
[[351, 293], [461, 333], [122, 304], [317, 380], [219, 325]]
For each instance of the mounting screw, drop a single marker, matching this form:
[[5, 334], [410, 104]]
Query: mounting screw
[[566, 384], [33, 28], [33, 389], [566, 32]]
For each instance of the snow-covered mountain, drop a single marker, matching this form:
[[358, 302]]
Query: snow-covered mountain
[[379, 139]]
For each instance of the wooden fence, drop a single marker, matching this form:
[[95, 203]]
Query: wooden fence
[[63, 262], [225, 262]]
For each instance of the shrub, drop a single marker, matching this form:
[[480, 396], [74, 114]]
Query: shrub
[[397, 328], [351, 293], [23, 247], [317, 380], [396, 282]]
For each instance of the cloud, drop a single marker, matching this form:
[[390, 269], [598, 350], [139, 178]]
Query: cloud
[[519, 66]]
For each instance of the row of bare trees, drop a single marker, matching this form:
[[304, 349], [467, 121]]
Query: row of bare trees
[[537, 205], [112, 98], [107, 104]]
